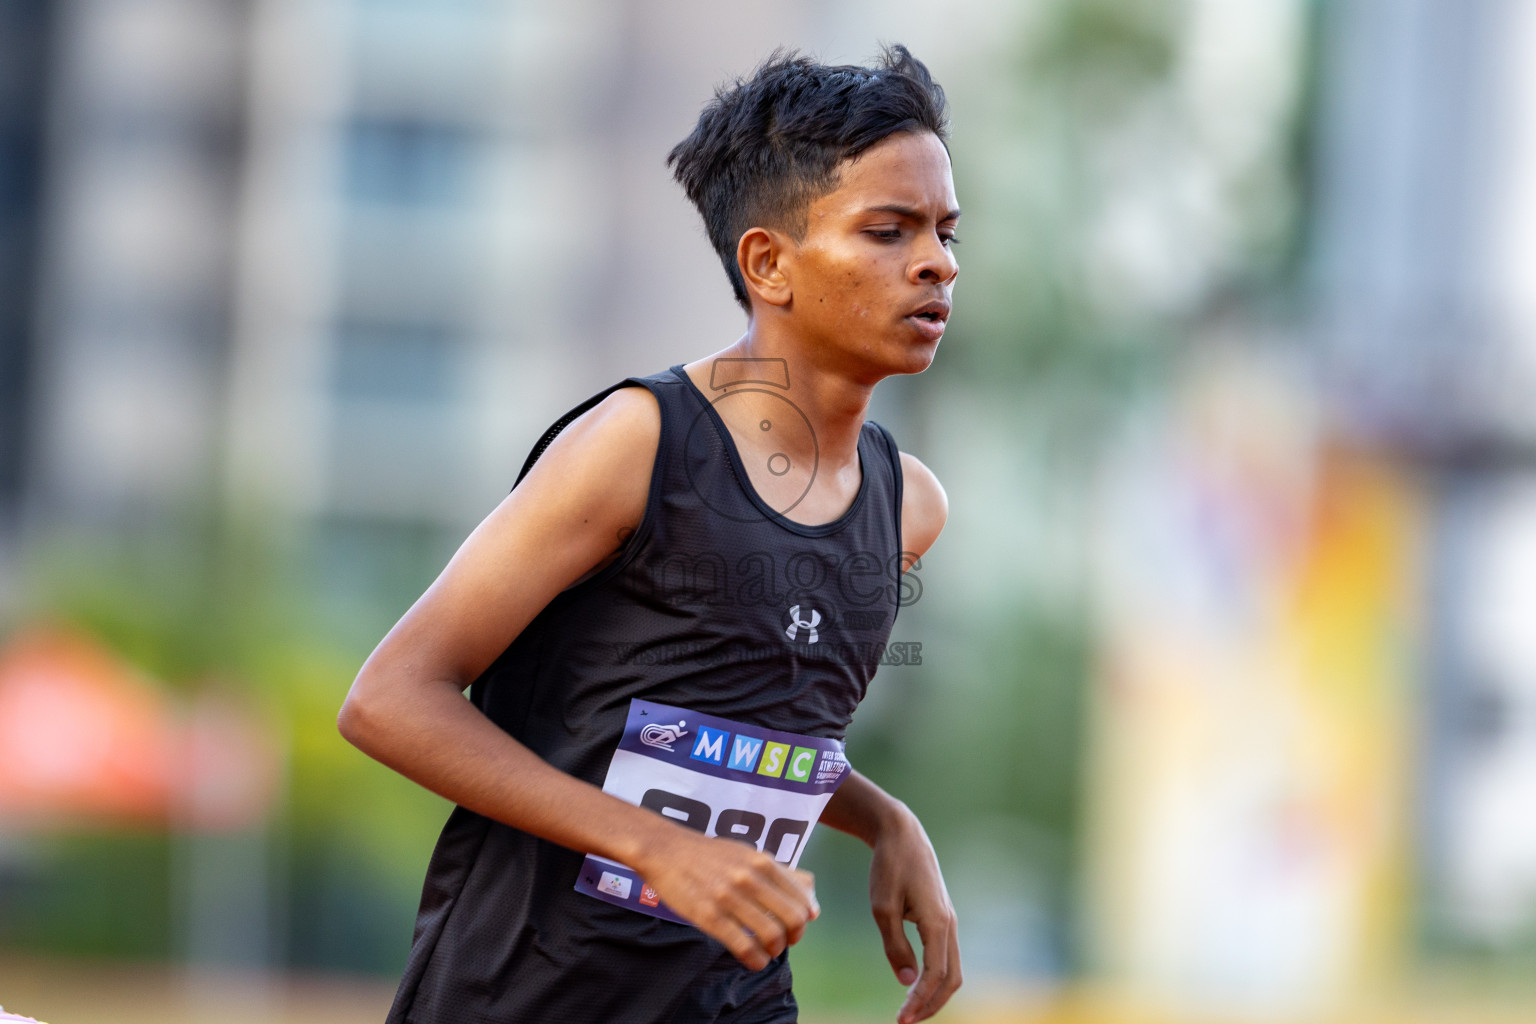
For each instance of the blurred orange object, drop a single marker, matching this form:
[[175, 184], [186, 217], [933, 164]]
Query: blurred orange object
[[83, 735]]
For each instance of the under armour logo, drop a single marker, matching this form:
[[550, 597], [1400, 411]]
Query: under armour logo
[[809, 625]]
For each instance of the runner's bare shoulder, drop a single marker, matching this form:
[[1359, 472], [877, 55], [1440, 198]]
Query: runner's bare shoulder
[[596, 474], [566, 519], [924, 505]]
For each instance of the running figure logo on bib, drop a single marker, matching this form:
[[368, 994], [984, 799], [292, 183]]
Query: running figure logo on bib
[[716, 776]]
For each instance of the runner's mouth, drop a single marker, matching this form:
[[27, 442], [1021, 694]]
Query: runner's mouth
[[935, 312]]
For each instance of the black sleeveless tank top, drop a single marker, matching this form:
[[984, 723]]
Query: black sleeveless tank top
[[717, 603]]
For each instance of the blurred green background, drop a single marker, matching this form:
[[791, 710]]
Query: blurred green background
[[1225, 709]]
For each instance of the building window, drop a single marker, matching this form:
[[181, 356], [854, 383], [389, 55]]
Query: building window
[[389, 362], [406, 161]]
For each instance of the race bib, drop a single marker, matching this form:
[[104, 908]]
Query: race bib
[[718, 777]]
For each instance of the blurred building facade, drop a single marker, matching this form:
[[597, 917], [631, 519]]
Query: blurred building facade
[[142, 166], [25, 35]]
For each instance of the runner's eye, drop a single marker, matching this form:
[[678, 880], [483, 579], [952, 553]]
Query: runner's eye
[[885, 234]]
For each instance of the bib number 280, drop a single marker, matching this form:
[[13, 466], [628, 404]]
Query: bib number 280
[[784, 836]]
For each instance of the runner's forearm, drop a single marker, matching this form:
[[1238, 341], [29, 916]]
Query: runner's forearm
[[862, 809], [433, 736]]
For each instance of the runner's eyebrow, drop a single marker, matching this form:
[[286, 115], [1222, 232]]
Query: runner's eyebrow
[[910, 212]]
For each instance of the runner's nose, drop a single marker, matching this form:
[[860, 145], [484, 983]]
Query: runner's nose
[[937, 264]]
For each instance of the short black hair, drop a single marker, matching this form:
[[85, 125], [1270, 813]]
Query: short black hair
[[767, 146]]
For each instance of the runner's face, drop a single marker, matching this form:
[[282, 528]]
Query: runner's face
[[873, 276]]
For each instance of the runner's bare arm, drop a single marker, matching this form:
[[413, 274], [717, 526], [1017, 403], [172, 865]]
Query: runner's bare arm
[[905, 883], [406, 707]]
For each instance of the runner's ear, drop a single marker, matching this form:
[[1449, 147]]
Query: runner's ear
[[759, 255]]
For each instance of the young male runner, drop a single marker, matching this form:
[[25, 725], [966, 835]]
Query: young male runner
[[681, 603]]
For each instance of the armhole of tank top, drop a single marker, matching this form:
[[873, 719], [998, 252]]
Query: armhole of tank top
[[894, 454], [653, 492], [558, 427]]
